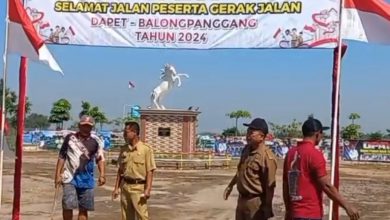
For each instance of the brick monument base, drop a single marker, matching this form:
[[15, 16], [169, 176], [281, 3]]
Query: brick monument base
[[170, 130]]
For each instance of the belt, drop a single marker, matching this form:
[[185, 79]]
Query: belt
[[133, 181]]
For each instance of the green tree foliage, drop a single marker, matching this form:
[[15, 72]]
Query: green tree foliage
[[38, 121], [237, 115], [11, 104], [353, 117], [292, 130], [230, 132], [85, 108], [378, 135], [98, 115], [60, 112], [351, 132]]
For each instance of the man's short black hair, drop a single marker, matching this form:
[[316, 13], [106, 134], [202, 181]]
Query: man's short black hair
[[132, 125]]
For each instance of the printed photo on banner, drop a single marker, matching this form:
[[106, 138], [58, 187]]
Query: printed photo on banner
[[186, 24]]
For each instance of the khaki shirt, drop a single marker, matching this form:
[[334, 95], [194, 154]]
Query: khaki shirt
[[256, 170], [135, 162]]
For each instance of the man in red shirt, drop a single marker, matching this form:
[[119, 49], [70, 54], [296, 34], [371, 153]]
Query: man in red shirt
[[305, 178]]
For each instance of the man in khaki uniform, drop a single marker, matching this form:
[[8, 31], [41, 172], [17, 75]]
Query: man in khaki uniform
[[255, 176], [135, 175]]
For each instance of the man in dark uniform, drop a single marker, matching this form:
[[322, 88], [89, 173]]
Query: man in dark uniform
[[255, 176]]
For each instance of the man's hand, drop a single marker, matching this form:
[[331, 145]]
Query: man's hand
[[102, 180], [146, 194], [227, 192], [352, 212], [115, 194], [57, 180]]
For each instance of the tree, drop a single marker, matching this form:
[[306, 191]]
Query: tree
[[85, 108], [14, 116], [11, 104], [39, 121], [378, 135], [60, 112], [99, 116], [353, 117], [10, 99], [388, 133], [292, 130], [237, 115], [94, 112], [279, 131], [230, 132], [351, 132]]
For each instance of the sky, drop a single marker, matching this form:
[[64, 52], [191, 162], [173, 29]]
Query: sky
[[278, 85]]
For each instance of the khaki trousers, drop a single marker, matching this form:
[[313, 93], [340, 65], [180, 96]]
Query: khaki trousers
[[133, 206], [249, 209]]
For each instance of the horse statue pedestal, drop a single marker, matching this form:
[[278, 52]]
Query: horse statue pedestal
[[169, 130]]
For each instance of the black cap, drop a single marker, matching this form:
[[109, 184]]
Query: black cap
[[258, 124], [312, 125]]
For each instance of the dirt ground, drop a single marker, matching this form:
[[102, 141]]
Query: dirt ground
[[186, 194]]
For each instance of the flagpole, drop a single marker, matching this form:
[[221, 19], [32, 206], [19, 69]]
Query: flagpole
[[335, 112], [3, 110], [19, 136]]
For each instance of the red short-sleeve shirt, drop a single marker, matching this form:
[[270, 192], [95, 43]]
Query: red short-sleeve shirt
[[303, 166]]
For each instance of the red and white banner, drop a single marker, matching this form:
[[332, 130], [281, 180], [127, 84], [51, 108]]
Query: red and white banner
[[204, 24]]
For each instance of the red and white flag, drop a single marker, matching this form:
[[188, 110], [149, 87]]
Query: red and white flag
[[366, 20], [23, 39]]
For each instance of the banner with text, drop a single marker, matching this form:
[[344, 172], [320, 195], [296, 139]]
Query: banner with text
[[202, 24], [367, 150]]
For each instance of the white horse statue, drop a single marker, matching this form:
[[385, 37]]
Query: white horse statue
[[168, 77]]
